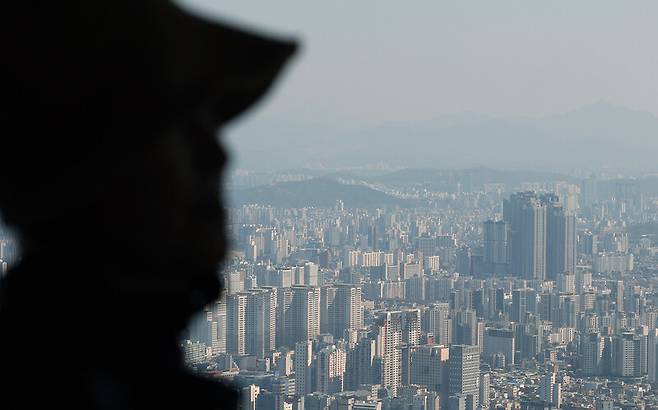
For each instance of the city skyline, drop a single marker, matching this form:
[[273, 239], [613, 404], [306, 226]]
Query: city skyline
[[382, 306]]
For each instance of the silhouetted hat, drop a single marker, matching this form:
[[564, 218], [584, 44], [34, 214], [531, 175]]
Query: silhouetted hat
[[90, 80], [83, 63]]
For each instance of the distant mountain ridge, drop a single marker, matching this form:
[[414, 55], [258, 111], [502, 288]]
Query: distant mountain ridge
[[470, 178], [316, 192], [599, 135], [436, 179], [368, 192]]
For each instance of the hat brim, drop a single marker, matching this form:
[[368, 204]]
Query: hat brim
[[231, 67]]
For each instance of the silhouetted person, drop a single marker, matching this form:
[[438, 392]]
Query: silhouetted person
[[111, 178]]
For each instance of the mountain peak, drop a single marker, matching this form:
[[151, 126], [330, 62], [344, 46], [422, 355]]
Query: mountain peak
[[603, 107]]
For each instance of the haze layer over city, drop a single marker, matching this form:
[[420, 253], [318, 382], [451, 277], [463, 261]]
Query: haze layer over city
[[511, 84], [441, 206]]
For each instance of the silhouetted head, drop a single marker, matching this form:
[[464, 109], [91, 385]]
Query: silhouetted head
[[109, 150]]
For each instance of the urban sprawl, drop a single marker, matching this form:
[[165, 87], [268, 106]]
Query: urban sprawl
[[536, 296]]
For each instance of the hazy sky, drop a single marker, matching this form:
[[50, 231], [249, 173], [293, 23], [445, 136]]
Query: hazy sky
[[371, 61], [367, 63]]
